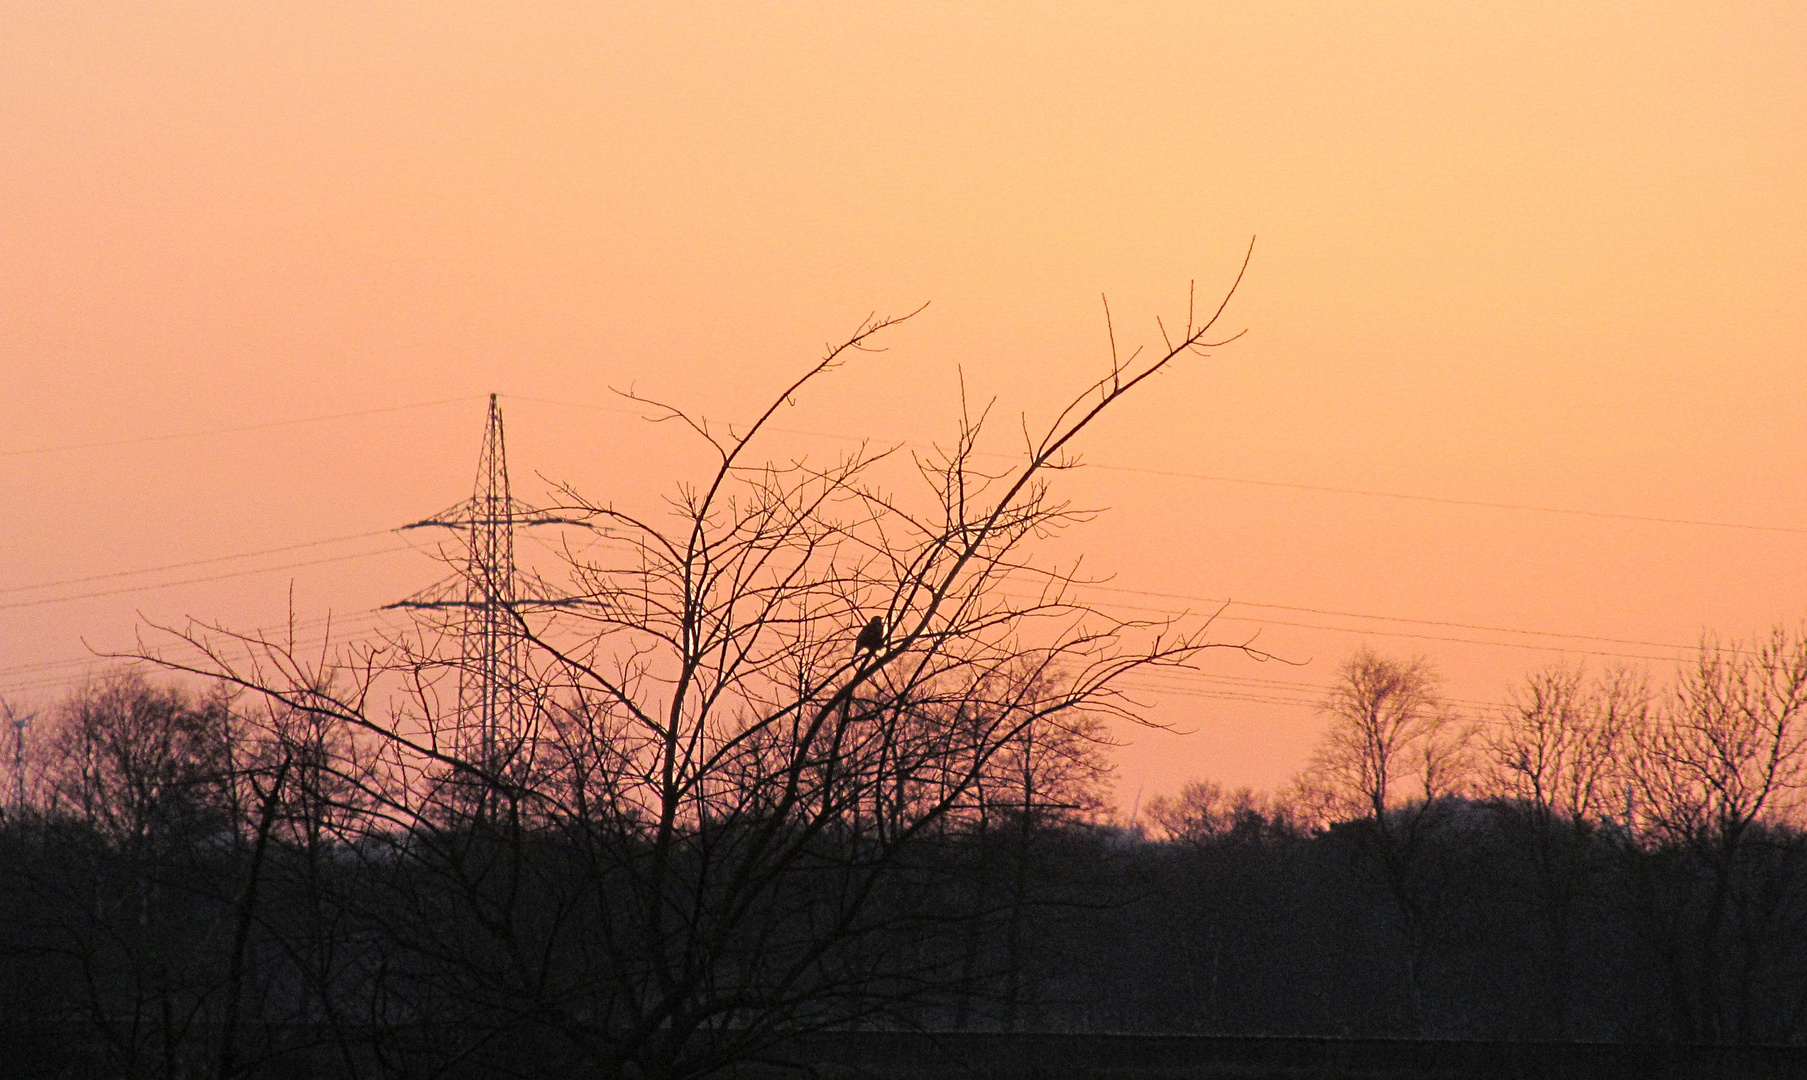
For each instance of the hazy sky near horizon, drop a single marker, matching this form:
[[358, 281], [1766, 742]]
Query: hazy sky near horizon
[[1512, 253]]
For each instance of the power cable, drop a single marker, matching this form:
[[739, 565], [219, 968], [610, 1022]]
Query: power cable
[[1286, 484], [194, 562], [1100, 587], [196, 581], [1528, 507], [1385, 633], [340, 622], [50, 681], [231, 430], [1304, 692], [1219, 695], [350, 619], [1224, 602], [1405, 634], [78, 661], [1390, 618]]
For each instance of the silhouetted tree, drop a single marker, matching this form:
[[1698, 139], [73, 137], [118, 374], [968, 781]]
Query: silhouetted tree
[[1202, 813], [721, 812], [1389, 761], [1556, 760], [1723, 760], [139, 788]]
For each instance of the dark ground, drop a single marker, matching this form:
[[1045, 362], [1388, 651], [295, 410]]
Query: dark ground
[[909, 1056], [31, 1052]]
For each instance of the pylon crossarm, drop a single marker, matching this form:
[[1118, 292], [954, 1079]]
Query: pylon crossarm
[[510, 605]]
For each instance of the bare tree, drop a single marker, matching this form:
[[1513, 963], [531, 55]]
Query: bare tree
[[1202, 812], [1559, 744], [1225, 842], [1731, 748], [1391, 757], [138, 762], [1723, 761], [1196, 815], [1051, 775], [1391, 741], [714, 816], [139, 797], [1046, 775], [1555, 757]]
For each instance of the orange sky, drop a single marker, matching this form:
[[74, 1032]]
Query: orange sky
[[1523, 253]]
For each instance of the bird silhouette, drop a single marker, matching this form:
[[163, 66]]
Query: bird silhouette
[[872, 639]]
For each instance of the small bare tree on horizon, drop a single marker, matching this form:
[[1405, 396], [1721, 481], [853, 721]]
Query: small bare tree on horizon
[[1718, 768], [1393, 753], [1555, 761]]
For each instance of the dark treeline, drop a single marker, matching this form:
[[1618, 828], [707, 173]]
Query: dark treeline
[[1264, 930], [191, 893]]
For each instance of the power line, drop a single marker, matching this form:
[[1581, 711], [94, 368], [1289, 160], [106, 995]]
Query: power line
[[32, 680], [1285, 484], [1391, 633], [1213, 696], [1606, 514], [1358, 615], [1422, 637], [1108, 603], [56, 681], [80, 661], [623, 409], [196, 581], [230, 430], [1225, 602], [1098, 587], [1391, 618], [194, 562], [1308, 693], [1457, 640]]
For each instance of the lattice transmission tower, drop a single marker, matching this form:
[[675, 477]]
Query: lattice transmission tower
[[19, 724], [491, 593]]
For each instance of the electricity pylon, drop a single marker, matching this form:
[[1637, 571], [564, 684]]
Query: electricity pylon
[[491, 594], [20, 723]]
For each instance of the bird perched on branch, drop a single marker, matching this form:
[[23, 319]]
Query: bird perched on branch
[[872, 639]]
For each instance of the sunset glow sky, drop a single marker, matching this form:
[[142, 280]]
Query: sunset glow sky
[[1547, 255]]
